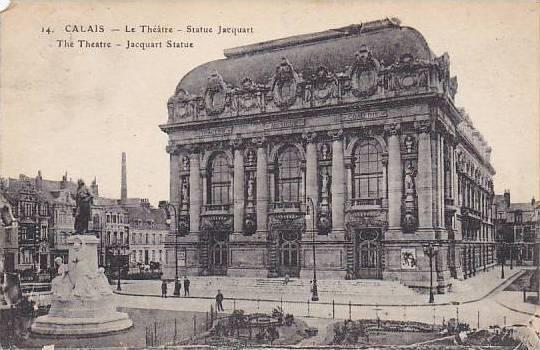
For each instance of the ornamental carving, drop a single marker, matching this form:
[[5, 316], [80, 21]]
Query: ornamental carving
[[409, 143], [409, 221], [180, 105], [326, 152], [215, 95], [392, 129], [408, 73], [216, 223], [322, 86], [371, 218], [286, 221], [423, 126], [250, 224], [251, 157], [249, 96], [284, 85], [364, 73]]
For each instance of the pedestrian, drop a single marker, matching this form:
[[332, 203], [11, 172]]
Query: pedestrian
[[177, 287], [163, 289], [219, 301], [286, 279], [186, 286]]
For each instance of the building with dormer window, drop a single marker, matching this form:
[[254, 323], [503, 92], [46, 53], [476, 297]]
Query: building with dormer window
[[348, 140]]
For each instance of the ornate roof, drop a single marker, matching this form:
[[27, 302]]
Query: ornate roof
[[334, 49]]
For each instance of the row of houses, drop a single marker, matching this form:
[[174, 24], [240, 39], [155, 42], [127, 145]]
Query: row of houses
[[518, 228], [38, 217]]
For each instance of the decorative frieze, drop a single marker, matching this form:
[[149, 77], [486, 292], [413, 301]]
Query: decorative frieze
[[364, 78]]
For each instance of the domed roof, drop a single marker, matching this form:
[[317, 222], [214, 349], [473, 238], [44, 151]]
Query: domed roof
[[334, 49]]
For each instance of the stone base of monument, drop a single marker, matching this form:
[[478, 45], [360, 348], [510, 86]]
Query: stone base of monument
[[82, 317], [83, 303]]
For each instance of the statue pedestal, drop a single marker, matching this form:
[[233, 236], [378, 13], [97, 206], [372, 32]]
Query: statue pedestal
[[88, 308]]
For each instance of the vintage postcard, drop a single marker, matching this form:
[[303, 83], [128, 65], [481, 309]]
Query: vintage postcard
[[242, 174]]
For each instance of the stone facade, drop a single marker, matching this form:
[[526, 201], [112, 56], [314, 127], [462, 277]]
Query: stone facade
[[348, 140]]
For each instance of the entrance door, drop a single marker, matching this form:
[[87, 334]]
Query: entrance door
[[43, 262], [289, 254], [368, 255], [9, 262], [219, 253]]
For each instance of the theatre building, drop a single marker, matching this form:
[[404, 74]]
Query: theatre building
[[347, 140]]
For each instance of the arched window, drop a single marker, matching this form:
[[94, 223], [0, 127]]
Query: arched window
[[367, 171], [289, 176], [219, 181]]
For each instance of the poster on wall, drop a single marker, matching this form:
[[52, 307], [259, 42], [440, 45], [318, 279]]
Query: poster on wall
[[408, 258]]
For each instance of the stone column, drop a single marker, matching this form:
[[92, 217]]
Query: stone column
[[312, 187], [394, 174], [238, 187], [262, 186], [174, 184], [338, 182], [424, 183], [195, 193]]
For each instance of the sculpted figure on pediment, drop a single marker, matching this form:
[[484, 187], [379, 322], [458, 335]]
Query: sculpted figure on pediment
[[215, 95], [364, 73], [249, 95], [180, 105], [284, 84], [324, 85]]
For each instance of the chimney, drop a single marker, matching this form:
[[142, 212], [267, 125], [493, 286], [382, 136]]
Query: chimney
[[123, 188], [533, 201], [63, 183], [507, 198], [39, 181], [94, 188]]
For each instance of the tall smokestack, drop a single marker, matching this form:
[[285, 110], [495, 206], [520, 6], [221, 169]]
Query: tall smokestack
[[123, 189]]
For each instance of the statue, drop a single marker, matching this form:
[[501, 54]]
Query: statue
[[409, 179], [325, 151], [102, 282], [83, 201], [409, 143], [185, 163], [324, 186], [61, 285], [251, 156], [185, 192], [250, 186]]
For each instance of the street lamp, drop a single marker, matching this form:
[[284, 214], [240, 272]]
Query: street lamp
[[511, 256], [118, 250], [315, 295], [176, 226], [502, 258], [430, 250]]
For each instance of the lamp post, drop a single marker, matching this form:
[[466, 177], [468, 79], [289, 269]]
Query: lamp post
[[314, 295], [503, 257], [511, 256], [430, 250], [176, 285], [118, 251]]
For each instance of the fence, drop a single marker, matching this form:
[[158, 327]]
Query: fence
[[174, 331]]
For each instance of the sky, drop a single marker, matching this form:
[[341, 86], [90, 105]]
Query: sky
[[77, 110]]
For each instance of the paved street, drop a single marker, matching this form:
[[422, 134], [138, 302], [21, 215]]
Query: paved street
[[488, 310], [364, 292]]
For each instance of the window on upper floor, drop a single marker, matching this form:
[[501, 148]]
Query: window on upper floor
[[367, 173], [518, 217], [289, 176], [219, 180]]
